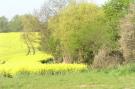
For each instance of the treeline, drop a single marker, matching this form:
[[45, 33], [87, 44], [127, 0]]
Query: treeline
[[16, 24], [81, 32], [10, 26]]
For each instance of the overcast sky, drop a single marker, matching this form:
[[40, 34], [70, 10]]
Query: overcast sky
[[9, 8]]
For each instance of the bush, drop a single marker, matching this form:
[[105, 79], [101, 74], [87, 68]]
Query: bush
[[114, 11], [74, 33], [47, 61]]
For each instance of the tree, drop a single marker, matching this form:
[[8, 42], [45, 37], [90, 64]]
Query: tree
[[4, 24], [114, 11], [30, 27], [74, 33], [48, 10], [39, 23], [15, 24]]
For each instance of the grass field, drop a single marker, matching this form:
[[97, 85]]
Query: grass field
[[85, 80]]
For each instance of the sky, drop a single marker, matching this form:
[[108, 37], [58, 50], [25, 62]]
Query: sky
[[10, 8]]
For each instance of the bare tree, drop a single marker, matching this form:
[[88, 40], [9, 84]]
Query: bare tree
[[49, 10]]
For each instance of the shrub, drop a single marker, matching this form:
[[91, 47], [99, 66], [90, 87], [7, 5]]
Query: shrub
[[47, 61], [114, 11], [74, 33]]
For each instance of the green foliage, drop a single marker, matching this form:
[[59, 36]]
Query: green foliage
[[79, 33], [19, 23], [4, 24], [15, 24], [114, 10]]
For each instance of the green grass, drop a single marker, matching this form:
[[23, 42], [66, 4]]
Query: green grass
[[84, 80]]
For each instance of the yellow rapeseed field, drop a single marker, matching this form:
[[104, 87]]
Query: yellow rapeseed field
[[13, 58]]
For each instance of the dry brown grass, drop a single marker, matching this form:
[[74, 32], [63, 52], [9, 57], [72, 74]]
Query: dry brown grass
[[107, 59]]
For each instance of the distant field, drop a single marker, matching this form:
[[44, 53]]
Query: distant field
[[13, 48], [13, 58]]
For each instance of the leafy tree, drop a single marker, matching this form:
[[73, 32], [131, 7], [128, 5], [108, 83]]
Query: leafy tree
[[78, 32], [4, 24], [114, 11]]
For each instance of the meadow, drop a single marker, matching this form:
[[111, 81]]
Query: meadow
[[83, 80]]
